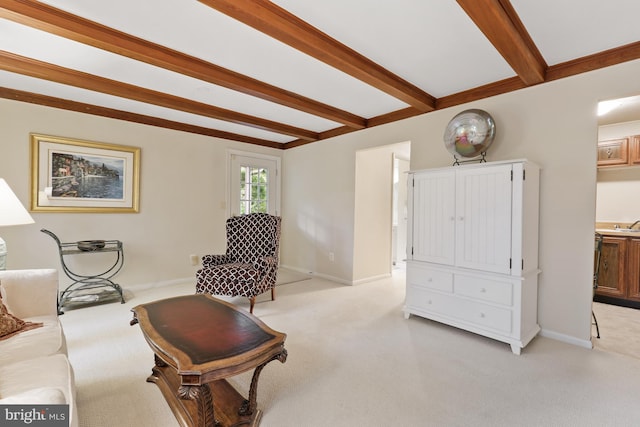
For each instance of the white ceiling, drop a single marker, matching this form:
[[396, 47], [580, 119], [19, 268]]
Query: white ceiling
[[432, 44]]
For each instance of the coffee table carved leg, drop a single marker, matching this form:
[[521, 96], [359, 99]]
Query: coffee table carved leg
[[159, 362], [250, 405], [202, 396]]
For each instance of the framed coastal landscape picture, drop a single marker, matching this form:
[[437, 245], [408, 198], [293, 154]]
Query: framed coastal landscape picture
[[71, 175]]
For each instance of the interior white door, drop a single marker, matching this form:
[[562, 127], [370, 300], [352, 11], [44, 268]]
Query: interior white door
[[254, 183]]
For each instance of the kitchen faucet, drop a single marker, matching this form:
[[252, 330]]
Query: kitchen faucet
[[634, 224]]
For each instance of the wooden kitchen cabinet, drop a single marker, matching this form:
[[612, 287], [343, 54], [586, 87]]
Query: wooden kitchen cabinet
[[634, 150], [613, 266], [613, 152], [619, 277], [633, 270]]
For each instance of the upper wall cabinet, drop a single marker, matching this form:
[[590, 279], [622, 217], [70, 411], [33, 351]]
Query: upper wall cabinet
[[619, 152], [613, 152], [634, 154]]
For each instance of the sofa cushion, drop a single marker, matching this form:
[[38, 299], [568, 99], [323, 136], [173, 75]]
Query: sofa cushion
[[53, 371], [10, 325], [49, 339], [30, 293], [36, 396]]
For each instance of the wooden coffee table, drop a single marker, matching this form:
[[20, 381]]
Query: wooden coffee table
[[198, 341]]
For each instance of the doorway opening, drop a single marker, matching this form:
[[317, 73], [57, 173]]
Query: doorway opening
[[380, 210], [618, 177]]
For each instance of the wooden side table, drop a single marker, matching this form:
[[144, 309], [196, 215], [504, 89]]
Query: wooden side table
[[199, 341]]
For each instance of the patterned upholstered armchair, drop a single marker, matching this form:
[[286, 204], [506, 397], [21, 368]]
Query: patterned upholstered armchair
[[250, 265]]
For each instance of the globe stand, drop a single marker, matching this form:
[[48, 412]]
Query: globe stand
[[481, 159]]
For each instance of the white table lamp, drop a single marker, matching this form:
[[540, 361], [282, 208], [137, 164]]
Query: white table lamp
[[11, 213]]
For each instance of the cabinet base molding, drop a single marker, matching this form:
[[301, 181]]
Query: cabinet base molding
[[622, 302]]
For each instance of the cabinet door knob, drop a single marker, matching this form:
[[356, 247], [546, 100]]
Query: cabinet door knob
[[482, 315], [483, 290]]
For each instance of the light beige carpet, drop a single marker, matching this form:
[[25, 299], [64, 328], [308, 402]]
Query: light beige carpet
[[355, 361], [619, 329]]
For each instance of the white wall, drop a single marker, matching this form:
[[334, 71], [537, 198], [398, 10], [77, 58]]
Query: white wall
[[552, 124], [617, 188], [373, 213], [183, 191]]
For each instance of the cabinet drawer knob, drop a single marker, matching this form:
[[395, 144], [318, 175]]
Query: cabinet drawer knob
[[482, 315], [429, 302], [483, 290]]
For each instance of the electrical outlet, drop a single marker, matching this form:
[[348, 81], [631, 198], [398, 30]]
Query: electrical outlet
[[194, 259], [332, 257]]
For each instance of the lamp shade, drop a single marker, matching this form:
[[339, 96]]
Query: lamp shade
[[11, 210]]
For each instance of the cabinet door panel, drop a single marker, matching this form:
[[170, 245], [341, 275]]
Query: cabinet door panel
[[613, 152], [611, 277], [483, 218], [433, 217], [634, 155], [633, 276]]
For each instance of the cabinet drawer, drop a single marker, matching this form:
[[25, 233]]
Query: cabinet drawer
[[432, 279], [484, 289], [476, 313]]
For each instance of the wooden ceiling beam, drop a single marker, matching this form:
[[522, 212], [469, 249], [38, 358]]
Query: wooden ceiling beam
[[51, 72], [607, 58], [499, 22], [280, 24], [81, 107], [47, 18]]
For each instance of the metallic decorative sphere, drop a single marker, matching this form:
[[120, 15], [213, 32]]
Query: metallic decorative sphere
[[469, 133]]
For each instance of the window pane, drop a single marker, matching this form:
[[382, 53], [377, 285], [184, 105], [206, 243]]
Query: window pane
[[258, 206], [254, 189]]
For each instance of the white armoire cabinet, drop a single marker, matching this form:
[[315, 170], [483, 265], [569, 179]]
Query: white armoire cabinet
[[472, 248]]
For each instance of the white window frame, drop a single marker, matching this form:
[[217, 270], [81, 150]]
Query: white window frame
[[274, 188]]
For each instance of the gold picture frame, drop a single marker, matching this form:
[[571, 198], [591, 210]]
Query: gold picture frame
[[72, 175]]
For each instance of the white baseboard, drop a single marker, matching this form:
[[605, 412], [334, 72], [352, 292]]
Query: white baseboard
[[566, 338], [143, 286], [320, 275], [371, 279]]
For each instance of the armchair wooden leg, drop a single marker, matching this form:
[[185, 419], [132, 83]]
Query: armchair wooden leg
[[273, 293], [252, 302]]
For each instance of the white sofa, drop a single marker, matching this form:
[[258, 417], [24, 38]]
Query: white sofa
[[34, 368]]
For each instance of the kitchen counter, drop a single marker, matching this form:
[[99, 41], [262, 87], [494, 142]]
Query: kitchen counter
[[608, 229]]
